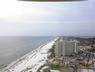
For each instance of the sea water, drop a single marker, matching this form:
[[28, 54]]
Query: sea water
[[12, 48]]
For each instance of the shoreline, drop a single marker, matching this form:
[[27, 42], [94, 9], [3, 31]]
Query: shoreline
[[26, 61], [4, 66]]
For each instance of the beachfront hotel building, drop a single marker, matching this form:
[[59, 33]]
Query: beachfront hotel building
[[71, 46], [59, 47], [64, 47]]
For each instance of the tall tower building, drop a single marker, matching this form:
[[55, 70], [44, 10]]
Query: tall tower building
[[70, 47], [60, 47], [64, 47]]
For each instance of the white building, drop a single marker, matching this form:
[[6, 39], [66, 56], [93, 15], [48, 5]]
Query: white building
[[70, 46], [63, 47], [59, 47]]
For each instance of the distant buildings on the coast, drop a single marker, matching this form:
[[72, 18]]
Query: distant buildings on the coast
[[65, 47], [72, 53]]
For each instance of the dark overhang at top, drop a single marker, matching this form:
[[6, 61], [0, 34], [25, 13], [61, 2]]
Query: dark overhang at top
[[51, 0]]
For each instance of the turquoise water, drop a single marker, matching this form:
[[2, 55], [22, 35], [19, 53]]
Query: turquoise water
[[12, 48]]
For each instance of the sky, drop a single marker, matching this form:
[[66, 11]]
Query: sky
[[18, 18]]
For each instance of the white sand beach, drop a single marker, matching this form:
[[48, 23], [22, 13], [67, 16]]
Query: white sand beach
[[32, 61]]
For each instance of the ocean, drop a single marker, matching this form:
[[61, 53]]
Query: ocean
[[12, 48]]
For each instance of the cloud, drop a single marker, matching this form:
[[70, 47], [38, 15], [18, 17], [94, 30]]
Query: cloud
[[12, 10], [31, 18]]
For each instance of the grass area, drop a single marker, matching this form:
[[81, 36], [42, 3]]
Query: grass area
[[57, 66]]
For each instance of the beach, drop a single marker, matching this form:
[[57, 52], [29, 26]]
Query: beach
[[31, 61]]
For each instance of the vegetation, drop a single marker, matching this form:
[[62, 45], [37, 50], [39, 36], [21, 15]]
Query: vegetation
[[52, 51], [55, 66]]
